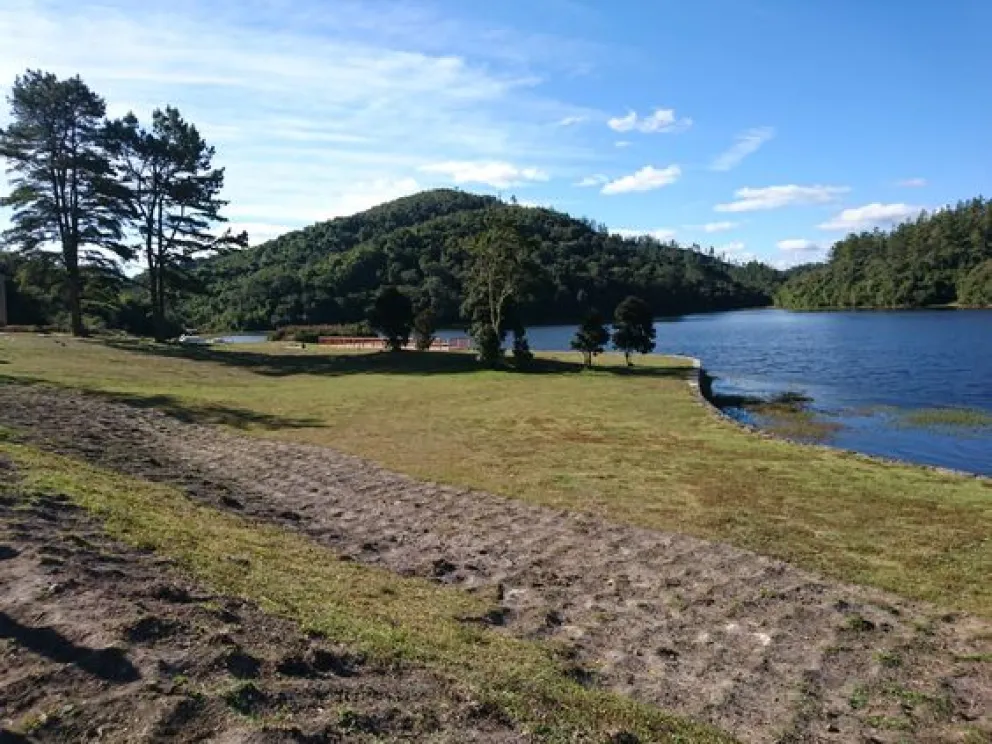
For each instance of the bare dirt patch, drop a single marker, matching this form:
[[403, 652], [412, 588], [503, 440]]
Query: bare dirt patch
[[100, 642], [755, 646]]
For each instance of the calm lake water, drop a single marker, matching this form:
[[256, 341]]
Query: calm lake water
[[864, 371]]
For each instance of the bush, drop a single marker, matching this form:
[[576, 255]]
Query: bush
[[424, 326], [392, 317], [522, 354], [488, 345], [310, 334]]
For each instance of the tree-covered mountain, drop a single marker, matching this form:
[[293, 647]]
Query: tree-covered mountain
[[942, 258], [330, 272]]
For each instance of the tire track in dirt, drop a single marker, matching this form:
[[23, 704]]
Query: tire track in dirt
[[753, 645], [103, 642]]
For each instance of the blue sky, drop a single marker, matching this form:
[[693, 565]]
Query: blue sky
[[766, 128]]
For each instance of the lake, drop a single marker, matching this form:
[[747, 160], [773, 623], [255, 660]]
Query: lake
[[873, 376]]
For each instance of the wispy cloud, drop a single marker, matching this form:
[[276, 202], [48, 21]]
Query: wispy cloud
[[622, 143], [745, 144], [871, 215], [798, 245], [912, 183], [497, 174], [597, 179], [571, 121], [661, 234], [715, 227], [646, 179], [750, 199], [315, 111], [657, 122]]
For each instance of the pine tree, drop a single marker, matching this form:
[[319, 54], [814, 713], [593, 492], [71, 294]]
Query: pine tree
[[392, 316], [173, 190], [63, 190], [591, 337], [633, 328]]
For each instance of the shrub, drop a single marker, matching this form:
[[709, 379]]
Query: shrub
[[310, 334]]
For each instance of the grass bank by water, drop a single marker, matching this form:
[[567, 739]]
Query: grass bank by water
[[633, 446]]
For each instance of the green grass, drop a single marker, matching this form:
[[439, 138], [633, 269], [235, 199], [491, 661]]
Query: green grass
[[946, 418], [392, 620], [635, 448]]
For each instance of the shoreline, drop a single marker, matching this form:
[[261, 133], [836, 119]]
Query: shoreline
[[698, 383]]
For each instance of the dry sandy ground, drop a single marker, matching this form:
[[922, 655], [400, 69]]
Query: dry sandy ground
[[759, 648]]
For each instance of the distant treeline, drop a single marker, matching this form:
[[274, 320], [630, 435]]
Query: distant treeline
[[942, 258], [330, 272]]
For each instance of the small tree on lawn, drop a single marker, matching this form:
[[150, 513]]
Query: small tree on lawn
[[592, 337], [392, 316], [424, 326], [633, 328], [498, 270]]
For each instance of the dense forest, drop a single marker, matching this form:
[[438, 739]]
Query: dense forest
[[941, 258], [330, 272]]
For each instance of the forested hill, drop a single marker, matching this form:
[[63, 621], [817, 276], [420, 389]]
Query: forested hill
[[330, 272], [941, 258]]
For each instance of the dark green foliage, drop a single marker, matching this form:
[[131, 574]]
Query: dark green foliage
[[311, 334], [592, 336], [63, 190], [522, 354], [331, 271], [392, 317], [424, 326], [935, 260], [488, 344], [36, 295], [976, 288], [633, 328], [173, 198]]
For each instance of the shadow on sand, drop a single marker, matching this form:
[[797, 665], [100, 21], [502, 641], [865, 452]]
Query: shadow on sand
[[108, 664]]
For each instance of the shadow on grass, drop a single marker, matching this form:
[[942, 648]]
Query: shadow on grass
[[404, 362], [185, 411]]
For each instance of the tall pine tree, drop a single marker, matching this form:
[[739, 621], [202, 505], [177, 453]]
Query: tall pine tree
[[63, 190], [174, 193]]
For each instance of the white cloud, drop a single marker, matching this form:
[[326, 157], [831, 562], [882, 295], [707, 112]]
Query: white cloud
[[661, 120], [798, 245], [622, 143], [661, 234], [871, 215], [497, 174], [646, 179], [571, 121], [912, 183], [597, 179], [745, 144], [735, 246], [773, 197], [714, 227], [315, 111]]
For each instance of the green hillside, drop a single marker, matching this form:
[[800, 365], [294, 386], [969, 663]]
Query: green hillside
[[329, 272], [942, 258]]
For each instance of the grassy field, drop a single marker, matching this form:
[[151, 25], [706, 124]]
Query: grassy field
[[634, 447]]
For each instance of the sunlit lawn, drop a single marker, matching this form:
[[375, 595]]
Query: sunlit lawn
[[636, 448]]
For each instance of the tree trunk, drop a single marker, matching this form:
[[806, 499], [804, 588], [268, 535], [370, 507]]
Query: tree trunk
[[74, 292]]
